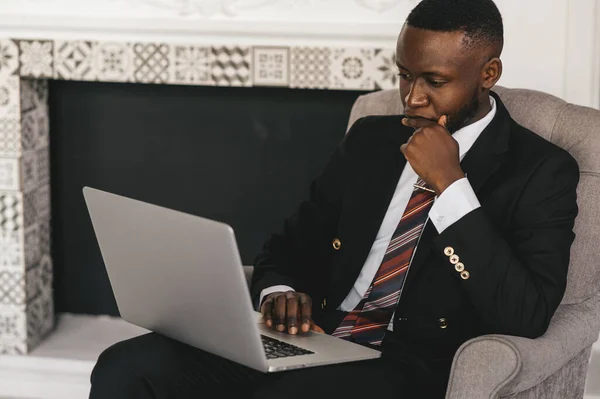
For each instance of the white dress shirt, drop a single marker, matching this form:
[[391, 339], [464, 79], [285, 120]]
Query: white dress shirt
[[455, 202]]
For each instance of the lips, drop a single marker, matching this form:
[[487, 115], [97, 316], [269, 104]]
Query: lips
[[420, 117]]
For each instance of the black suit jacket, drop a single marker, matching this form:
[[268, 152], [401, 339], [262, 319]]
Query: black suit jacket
[[515, 247]]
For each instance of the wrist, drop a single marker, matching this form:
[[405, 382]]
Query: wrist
[[442, 184]]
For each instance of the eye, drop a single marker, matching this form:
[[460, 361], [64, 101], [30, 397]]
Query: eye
[[405, 76], [436, 83]]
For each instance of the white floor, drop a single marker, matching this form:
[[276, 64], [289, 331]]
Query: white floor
[[61, 366]]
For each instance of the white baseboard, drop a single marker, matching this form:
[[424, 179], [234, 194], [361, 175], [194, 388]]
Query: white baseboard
[[44, 378]]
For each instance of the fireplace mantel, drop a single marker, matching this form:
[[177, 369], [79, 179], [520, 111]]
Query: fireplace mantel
[[371, 23]]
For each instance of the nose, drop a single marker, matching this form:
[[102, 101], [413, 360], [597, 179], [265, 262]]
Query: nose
[[416, 97]]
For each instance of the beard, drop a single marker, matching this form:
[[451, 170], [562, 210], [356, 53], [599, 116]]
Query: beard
[[464, 114]]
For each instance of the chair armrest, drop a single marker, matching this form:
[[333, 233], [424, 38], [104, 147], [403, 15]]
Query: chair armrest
[[493, 365]]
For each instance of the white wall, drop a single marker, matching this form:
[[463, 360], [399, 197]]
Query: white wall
[[551, 45]]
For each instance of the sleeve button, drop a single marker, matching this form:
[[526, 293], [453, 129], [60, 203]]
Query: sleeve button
[[448, 251]]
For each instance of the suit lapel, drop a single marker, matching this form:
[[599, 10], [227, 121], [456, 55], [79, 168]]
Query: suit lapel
[[485, 157], [369, 211]]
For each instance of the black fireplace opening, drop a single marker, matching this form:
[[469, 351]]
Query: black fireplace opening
[[244, 156]]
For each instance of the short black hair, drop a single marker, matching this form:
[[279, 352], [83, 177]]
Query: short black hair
[[480, 20]]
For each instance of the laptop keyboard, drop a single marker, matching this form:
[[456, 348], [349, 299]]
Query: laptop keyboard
[[276, 349]]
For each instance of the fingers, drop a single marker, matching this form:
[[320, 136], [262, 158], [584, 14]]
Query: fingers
[[417, 123], [280, 311], [305, 312], [292, 313], [267, 311], [443, 120], [284, 311], [316, 328]]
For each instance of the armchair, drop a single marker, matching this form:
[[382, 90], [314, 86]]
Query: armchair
[[554, 365]]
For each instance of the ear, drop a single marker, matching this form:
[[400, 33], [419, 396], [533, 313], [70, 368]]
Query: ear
[[491, 73]]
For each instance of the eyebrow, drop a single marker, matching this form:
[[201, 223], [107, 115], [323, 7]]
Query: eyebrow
[[429, 73]]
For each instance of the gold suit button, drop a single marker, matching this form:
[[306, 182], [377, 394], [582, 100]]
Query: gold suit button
[[449, 251], [454, 259], [324, 303], [337, 244], [465, 275], [443, 323], [459, 267]]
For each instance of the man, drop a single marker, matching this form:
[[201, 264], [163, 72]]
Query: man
[[423, 231]]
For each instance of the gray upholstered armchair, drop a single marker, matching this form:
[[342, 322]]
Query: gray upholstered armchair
[[554, 365]]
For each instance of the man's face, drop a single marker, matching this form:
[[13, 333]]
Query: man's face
[[439, 76]]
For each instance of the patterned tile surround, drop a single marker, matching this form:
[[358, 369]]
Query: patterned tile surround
[[26, 307]]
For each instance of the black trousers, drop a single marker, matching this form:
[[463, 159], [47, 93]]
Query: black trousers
[[155, 367]]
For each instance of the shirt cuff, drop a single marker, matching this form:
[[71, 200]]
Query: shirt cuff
[[270, 290], [454, 203]]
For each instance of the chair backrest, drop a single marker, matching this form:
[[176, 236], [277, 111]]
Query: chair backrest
[[572, 127]]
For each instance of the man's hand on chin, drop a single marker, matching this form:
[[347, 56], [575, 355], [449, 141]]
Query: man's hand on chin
[[433, 153]]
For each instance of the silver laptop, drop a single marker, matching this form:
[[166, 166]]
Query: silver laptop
[[181, 276]]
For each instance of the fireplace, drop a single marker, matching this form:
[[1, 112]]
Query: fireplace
[[307, 128]]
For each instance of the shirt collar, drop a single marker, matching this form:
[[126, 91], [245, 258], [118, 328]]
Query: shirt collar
[[467, 136]]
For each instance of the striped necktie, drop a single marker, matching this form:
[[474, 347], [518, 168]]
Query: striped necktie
[[368, 322]]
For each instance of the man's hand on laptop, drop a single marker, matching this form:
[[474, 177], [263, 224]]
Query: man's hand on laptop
[[289, 311]]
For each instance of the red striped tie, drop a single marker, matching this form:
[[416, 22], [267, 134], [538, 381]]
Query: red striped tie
[[368, 322]]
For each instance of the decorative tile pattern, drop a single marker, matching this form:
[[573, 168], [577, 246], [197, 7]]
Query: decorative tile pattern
[[298, 67], [191, 65], [43, 165], [40, 92], [12, 288], [32, 283], [9, 57], [30, 209], [34, 130], [73, 60], [310, 68], [44, 236], [12, 323], [113, 62], [9, 174], [151, 62], [28, 95], [9, 96], [45, 277], [36, 59], [32, 250], [40, 318], [42, 201], [11, 251], [29, 130], [29, 170], [13, 347], [43, 128], [386, 71], [352, 69], [10, 143], [232, 66], [271, 66], [11, 211]]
